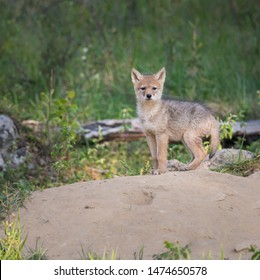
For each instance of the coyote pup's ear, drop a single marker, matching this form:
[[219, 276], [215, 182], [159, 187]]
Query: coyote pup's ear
[[160, 75], [136, 76]]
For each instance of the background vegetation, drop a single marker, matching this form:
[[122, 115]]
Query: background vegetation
[[68, 62], [210, 50]]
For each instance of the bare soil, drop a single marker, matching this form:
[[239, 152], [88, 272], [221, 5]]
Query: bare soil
[[211, 212]]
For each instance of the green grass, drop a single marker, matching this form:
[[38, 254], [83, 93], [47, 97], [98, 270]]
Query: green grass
[[12, 244], [174, 251], [93, 256], [12, 195]]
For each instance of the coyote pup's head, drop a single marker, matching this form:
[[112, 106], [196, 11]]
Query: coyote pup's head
[[148, 87]]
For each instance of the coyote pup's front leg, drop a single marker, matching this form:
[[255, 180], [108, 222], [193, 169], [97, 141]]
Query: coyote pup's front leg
[[151, 140], [161, 144], [158, 149]]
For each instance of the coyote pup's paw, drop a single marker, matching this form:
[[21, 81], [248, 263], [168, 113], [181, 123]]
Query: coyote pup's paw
[[158, 171], [183, 168]]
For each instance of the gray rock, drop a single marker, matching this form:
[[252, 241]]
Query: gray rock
[[10, 154], [8, 135], [222, 157], [19, 156], [2, 162], [228, 156], [8, 132]]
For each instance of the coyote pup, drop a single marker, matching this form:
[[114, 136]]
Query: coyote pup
[[165, 120]]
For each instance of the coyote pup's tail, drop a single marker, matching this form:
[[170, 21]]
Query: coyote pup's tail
[[214, 139]]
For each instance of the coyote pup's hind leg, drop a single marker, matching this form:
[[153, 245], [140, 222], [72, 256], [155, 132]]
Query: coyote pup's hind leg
[[194, 144]]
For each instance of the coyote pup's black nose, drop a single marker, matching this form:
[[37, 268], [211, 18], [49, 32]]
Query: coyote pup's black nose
[[148, 96]]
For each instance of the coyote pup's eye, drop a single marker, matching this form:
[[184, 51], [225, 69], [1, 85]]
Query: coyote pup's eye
[[143, 88], [154, 88]]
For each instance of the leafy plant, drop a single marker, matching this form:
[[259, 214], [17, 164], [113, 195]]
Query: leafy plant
[[226, 126], [256, 253], [126, 113], [174, 252], [61, 127]]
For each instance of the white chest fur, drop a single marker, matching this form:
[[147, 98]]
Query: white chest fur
[[150, 116]]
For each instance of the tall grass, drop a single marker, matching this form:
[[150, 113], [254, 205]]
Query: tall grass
[[12, 244]]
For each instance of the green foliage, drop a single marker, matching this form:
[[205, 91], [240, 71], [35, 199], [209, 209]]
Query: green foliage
[[127, 168], [226, 126], [13, 191], [210, 50], [60, 113], [242, 167], [11, 244], [254, 147], [140, 254], [37, 254], [256, 253], [194, 66], [93, 256], [179, 152], [146, 169], [126, 113], [65, 117], [113, 158], [174, 252]]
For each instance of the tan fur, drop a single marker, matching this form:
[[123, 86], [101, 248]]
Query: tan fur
[[170, 120]]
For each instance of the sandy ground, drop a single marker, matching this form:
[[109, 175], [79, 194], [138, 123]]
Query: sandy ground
[[212, 212]]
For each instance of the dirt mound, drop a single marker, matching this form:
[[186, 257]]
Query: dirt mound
[[212, 212]]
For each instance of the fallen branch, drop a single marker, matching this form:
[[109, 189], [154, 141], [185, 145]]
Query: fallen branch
[[108, 130], [130, 130]]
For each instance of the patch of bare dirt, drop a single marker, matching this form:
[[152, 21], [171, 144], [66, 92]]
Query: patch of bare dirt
[[212, 212]]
